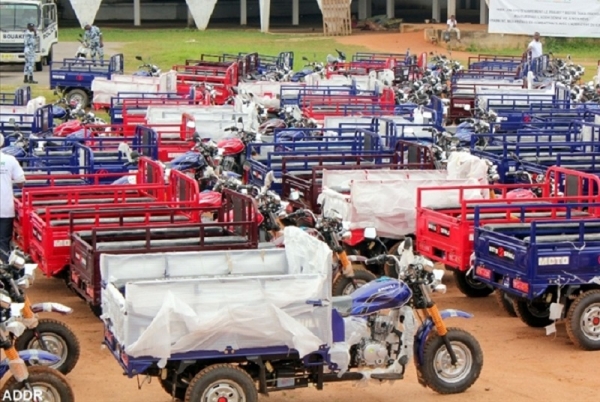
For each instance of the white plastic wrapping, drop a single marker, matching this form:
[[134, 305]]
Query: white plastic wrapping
[[463, 165], [104, 89], [201, 11], [394, 215], [7, 112], [523, 96], [182, 302]]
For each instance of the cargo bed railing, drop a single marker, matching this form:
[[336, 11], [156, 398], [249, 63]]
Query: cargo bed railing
[[20, 97]]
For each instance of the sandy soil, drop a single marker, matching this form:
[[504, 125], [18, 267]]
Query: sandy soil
[[520, 364]]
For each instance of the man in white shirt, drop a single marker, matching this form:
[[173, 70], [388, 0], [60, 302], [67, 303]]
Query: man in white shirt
[[10, 172], [535, 46], [452, 26]]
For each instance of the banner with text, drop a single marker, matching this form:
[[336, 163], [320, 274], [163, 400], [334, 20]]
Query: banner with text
[[563, 18]]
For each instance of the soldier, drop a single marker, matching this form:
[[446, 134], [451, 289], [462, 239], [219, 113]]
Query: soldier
[[29, 53], [94, 37]]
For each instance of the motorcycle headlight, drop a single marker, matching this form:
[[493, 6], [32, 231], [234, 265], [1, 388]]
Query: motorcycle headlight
[[16, 259], [5, 301]]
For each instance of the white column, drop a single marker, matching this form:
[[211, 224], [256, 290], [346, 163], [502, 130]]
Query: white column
[[265, 14], [243, 12], [295, 12], [369, 8], [436, 12], [451, 8], [362, 9], [483, 13], [390, 9], [137, 13]]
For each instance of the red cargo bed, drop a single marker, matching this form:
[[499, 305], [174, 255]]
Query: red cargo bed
[[445, 235]]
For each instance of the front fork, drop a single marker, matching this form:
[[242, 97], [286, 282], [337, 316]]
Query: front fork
[[440, 327]]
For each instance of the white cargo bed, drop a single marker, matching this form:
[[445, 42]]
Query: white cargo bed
[[161, 304]]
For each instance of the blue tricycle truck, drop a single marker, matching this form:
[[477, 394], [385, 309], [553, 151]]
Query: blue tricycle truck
[[549, 268], [227, 325]]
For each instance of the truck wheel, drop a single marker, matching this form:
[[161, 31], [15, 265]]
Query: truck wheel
[[536, 315], [343, 286], [583, 321], [505, 302], [167, 385], [437, 370], [45, 384], [59, 339], [222, 382], [39, 65], [79, 96], [470, 286]]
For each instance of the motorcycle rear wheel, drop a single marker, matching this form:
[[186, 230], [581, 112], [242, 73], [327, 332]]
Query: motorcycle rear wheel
[[59, 338], [53, 385], [343, 285], [437, 370]]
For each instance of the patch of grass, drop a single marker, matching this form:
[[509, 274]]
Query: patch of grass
[[166, 48]]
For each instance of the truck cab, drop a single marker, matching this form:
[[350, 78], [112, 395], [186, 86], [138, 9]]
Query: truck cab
[[14, 17]]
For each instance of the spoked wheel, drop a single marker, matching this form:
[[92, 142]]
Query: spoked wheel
[[222, 383], [534, 314], [583, 321], [344, 286], [44, 384], [470, 286], [57, 338], [437, 370], [505, 302]]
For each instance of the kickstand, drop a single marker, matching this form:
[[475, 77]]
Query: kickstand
[[147, 379]]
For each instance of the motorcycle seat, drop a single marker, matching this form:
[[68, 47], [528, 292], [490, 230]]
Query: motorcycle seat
[[169, 243], [342, 304]]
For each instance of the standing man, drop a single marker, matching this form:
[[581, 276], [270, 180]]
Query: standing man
[[535, 47], [30, 42], [10, 172], [94, 36], [452, 27]]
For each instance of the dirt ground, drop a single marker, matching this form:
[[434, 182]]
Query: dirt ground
[[520, 363]]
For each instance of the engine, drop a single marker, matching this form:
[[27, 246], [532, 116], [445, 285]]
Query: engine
[[382, 343]]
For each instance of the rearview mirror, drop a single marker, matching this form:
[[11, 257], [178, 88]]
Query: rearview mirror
[[370, 233], [294, 195], [467, 107]]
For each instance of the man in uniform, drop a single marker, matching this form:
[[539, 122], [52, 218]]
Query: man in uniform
[[10, 173], [29, 53], [94, 37]]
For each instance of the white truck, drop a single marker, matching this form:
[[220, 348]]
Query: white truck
[[14, 17]]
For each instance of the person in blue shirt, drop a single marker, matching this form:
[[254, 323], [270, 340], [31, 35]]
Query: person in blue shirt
[[30, 43], [94, 37]]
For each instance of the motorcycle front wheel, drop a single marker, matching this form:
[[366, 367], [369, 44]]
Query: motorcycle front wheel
[[344, 286], [437, 370], [44, 384], [59, 340]]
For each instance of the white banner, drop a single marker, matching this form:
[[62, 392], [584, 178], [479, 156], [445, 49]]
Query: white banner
[[85, 11], [201, 11], [562, 18]]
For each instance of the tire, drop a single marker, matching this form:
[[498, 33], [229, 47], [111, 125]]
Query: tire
[[344, 286], [167, 385], [97, 310], [583, 321], [468, 352], [532, 314], [49, 57], [505, 302], [60, 340], [220, 379], [78, 95], [52, 383], [471, 287], [39, 65]]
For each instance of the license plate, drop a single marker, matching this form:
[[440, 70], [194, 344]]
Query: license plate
[[9, 57]]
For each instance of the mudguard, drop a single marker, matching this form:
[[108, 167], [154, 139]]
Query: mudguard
[[51, 308], [425, 329], [32, 356]]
